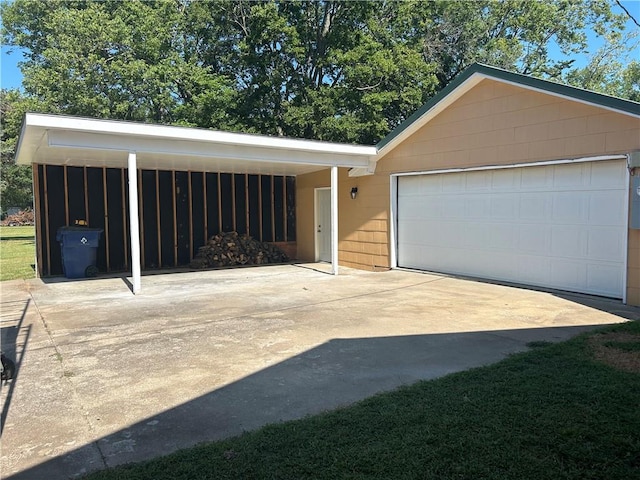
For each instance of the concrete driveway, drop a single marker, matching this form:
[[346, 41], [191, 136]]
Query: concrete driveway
[[106, 378]]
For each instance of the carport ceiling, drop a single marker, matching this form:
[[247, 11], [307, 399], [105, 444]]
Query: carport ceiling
[[72, 141]]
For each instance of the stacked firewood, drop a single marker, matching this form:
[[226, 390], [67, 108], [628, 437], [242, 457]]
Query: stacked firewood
[[229, 249]]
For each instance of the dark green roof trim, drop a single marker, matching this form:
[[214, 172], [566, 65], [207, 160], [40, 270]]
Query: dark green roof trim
[[598, 99]]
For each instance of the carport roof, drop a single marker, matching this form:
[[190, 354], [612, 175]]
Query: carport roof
[[74, 141]]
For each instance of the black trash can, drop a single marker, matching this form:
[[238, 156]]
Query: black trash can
[[79, 246]]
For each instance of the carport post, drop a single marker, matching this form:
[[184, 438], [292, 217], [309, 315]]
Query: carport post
[[134, 225], [334, 220]]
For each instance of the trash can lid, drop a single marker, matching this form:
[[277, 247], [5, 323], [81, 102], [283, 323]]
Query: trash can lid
[[63, 232]]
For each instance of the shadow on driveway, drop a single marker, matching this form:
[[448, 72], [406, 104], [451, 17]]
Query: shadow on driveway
[[336, 373], [14, 337], [110, 378]]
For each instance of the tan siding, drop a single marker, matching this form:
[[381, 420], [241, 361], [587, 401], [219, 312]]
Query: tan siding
[[501, 124], [493, 124], [363, 224]]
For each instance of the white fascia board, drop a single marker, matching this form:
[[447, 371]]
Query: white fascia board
[[434, 111], [178, 147], [564, 97], [132, 129]]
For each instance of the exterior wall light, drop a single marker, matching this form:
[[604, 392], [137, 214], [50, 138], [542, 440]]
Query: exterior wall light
[[354, 193]]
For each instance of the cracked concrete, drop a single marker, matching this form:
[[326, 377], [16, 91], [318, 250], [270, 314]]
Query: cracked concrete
[[106, 378]]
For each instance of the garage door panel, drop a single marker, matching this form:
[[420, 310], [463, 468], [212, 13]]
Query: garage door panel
[[452, 183], [454, 206], [504, 237], [570, 273], [415, 232], [415, 209], [534, 239], [604, 279], [558, 226], [569, 208], [478, 206], [429, 184], [536, 179], [478, 181], [504, 206], [568, 241], [570, 176], [475, 233], [604, 175], [606, 208], [604, 244], [534, 269], [534, 207], [507, 179], [412, 186], [411, 255]]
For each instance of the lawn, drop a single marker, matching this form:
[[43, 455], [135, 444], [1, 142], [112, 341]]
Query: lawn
[[560, 411], [17, 252]]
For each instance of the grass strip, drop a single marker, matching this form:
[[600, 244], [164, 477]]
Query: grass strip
[[551, 413], [17, 252]]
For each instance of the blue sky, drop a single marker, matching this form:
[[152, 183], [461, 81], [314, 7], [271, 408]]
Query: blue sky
[[10, 76]]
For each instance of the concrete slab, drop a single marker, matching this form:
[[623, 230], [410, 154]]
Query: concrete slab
[[106, 377]]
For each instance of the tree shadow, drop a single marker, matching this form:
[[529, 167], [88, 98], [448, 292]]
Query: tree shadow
[[13, 338], [336, 373]]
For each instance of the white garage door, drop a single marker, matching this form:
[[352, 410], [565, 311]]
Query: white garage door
[[560, 226]]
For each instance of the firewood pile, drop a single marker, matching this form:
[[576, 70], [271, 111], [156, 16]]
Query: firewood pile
[[229, 249], [22, 218]]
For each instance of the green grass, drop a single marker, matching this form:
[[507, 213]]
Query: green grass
[[17, 252], [551, 413], [624, 346]]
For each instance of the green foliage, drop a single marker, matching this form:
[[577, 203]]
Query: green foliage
[[122, 60], [345, 71], [15, 180], [609, 70]]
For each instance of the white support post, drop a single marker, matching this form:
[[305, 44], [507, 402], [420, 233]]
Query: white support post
[[134, 224], [334, 220]]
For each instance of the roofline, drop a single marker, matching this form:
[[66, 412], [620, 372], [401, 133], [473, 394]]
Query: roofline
[[480, 71], [138, 129]]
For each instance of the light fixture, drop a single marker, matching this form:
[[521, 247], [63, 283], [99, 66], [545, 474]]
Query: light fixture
[[354, 193]]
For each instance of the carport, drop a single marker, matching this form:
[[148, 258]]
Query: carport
[[55, 140]]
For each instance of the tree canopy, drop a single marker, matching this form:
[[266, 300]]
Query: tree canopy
[[347, 71]]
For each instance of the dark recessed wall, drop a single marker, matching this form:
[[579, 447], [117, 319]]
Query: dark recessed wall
[[178, 211]]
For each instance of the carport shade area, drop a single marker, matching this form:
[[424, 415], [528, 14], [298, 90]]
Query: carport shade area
[[160, 191]]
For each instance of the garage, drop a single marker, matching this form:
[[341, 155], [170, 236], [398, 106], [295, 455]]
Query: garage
[[560, 225]]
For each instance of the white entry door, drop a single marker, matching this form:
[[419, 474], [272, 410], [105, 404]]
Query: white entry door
[[323, 224], [560, 226]]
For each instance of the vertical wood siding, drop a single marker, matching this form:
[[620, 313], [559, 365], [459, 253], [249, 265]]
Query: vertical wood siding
[[179, 211]]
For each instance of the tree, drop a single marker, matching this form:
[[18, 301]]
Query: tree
[[609, 69], [511, 34], [327, 69], [115, 59], [15, 180]]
